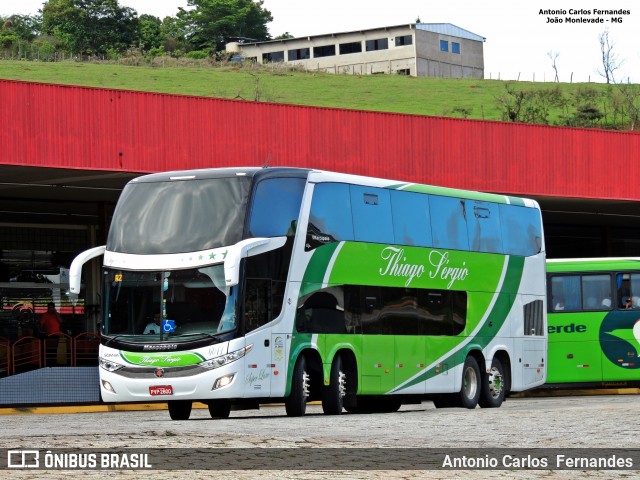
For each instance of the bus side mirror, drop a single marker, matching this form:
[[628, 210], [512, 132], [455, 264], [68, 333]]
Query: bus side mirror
[[75, 271], [247, 248]]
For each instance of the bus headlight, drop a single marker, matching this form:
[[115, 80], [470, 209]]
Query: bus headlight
[[226, 358], [107, 386], [223, 381], [109, 366]]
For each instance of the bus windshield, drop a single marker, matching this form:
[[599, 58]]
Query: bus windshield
[[179, 216], [168, 305]]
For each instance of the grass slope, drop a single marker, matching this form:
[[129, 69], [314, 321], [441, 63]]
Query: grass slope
[[388, 93]]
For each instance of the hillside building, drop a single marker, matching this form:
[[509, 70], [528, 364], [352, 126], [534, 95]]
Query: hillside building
[[418, 49]]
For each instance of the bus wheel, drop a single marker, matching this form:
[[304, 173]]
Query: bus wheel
[[492, 393], [296, 403], [333, 394], [470, 392], [219, 408], [179, 409]]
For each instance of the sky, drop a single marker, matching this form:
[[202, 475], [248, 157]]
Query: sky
[[519, 38]]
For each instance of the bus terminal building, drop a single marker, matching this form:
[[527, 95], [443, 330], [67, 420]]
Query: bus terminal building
[[68, 152]]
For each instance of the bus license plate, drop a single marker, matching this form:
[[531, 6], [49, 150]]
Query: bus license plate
[[161, 390]]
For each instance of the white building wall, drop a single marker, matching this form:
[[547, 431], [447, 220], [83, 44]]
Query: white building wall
[[421, 58]]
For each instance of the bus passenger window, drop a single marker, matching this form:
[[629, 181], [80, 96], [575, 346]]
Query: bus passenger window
[[371, 210], [483, 223], [411, 224], [595, 290], [521, 232], [330, 217], [276, 206], [565, 293], [320, 313], [448, 223]]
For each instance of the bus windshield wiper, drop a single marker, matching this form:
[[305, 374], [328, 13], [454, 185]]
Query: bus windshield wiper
[[210, 335], [111, 339]]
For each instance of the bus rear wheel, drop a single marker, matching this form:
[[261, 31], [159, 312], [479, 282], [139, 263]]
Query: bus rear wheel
[[179, 409], [334, 393], [219, 408], [296, 403], [492, 393], [470, 391]]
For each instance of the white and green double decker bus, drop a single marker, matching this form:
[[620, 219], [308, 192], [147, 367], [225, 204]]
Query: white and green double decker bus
[[295, 285], [594, 322]]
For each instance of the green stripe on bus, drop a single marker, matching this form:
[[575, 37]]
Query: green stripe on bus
[[491, 325]]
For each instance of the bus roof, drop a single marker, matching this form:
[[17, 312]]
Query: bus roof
[[318, 176], [567, 265]]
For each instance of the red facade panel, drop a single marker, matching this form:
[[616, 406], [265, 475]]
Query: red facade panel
[[90, 128]]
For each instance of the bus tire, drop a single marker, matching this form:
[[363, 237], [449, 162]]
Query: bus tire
[[219, 408], [296, 403], [334, 393], [179, 409], [492, 392], [471, 384]]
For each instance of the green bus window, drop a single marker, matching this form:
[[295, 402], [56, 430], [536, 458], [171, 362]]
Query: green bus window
[[565, 293], [635, 290], [628, 290], [596, 292]]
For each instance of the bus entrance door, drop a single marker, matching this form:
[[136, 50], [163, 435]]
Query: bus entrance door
[[258, 362]]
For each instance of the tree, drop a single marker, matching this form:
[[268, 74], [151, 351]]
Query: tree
[[630, 95], [214, 23], [149, 32], [610, 61], [283, 36], [90, 26], [23, 27], [587, 114], [173, 34], [554, 63], [528, 106]]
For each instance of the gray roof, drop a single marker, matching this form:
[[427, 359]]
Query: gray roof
[[442, 28], [449, 29]]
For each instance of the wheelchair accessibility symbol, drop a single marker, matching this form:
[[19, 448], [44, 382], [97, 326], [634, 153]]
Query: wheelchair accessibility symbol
[[168, 326]]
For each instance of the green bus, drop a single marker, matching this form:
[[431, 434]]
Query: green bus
[[241, 286], [594, 322]]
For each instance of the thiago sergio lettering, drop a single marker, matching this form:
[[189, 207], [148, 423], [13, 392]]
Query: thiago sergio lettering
[[397, 266]]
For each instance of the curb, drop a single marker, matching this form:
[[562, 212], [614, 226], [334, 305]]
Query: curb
[[547, 392], [101, 408], [98, 408]]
